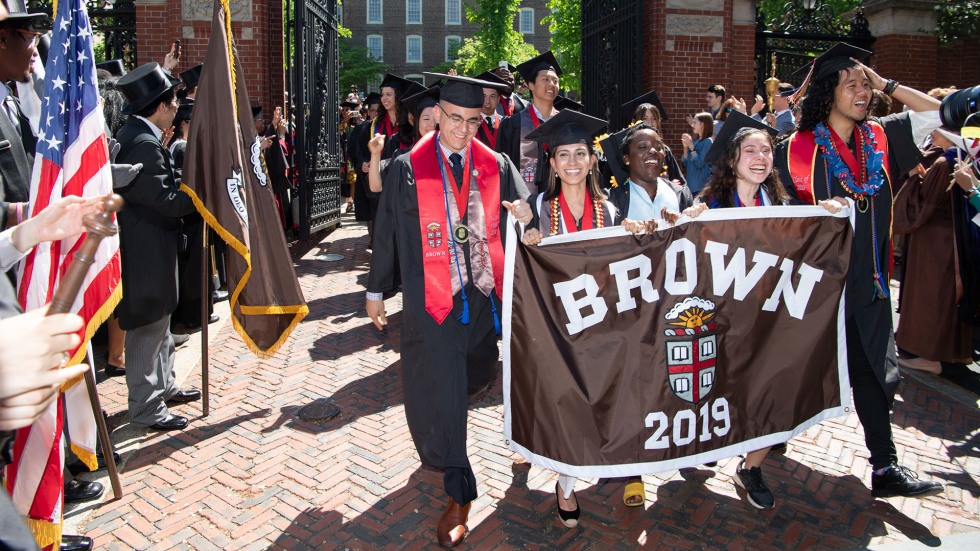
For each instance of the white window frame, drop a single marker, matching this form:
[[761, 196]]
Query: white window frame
[[454, 17], [381, 40], [407, 21], [381, 12], [340, 14], [416, 78], [408, 50], [520, 20], [453, 37]]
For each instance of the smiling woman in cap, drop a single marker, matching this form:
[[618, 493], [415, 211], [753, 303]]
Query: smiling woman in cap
[[421, 108]]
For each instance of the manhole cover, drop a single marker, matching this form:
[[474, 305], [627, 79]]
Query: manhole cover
[[320, 409], [328, 257]]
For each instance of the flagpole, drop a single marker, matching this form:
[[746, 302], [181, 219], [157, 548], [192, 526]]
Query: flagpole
[[97, 227], [205, 276]]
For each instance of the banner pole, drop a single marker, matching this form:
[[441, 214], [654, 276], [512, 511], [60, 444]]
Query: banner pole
[[205, 276]]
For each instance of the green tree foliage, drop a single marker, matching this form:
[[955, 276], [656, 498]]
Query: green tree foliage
[[565, 24], [357, 67], [958, 20], [497, 40], [774, 10]]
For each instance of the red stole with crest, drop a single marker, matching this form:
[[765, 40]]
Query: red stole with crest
[[434, 220]]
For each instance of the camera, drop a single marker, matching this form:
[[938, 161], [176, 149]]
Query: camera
[[959, 105]]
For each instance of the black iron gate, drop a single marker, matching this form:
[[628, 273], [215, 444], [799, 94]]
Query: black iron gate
[[805, 29], [114, 22], [312, 83], [612, 41]]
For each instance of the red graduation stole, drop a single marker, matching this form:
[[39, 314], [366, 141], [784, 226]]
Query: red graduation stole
[[803, 152], [433, 219]]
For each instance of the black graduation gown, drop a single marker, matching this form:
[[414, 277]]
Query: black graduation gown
[[518, 103], [673, 169], [870, 315], [441, 363], [509, 139], [189, 265], [355, 153]]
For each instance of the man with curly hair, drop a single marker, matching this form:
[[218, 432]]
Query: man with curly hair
[[838, 152]]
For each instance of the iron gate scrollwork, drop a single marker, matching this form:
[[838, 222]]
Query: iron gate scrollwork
[[805, 29], [313, 85], [114, 21], [612, 38]]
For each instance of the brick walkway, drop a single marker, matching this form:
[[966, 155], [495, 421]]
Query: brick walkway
[[253, 475]]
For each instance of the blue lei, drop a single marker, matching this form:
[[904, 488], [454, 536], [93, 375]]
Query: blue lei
[[873, 158]]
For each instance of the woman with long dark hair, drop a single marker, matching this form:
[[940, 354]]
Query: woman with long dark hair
[[743, 176]]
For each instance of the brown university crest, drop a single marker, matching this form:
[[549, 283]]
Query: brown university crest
[[433, 234], [692, 349]]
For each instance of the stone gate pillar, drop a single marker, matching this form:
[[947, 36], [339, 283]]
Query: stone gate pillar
[[906, 46], [255, 24], [692, 44]]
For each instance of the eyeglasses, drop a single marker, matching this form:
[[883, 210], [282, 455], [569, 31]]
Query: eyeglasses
[[455, 120], [30, 37]]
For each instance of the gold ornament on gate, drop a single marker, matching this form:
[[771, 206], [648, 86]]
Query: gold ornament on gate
[[772, 83]]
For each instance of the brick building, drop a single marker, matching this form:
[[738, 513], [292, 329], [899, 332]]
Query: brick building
[[413, 36]]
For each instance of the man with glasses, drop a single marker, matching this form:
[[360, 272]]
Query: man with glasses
[[442, 217]]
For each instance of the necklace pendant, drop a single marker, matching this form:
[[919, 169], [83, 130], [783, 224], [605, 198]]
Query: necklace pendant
[[476, 173], [461, 234], [863, 203]]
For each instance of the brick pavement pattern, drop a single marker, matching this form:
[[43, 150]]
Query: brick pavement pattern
[[254, 475]]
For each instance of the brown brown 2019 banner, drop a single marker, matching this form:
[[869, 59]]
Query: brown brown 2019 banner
[[631, 354]]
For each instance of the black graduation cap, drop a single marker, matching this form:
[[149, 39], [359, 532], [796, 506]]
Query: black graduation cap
[[562, 102], [611, 145], [735, 122], [465, 92], [114, 66], [490, 77], [184, 111], [412, 89], [417, 103], [529, 69], [348, 104], [651, 97], [192, 76], [398, 83], [567, 127], [828, 63], [256, 111], [372, 98]]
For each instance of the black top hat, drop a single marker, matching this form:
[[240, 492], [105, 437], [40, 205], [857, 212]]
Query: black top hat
[[192, 76], [17, 11], [114, 66], [143, 85]]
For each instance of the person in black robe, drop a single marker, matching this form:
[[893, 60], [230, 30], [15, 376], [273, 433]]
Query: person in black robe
[[359, 157], [450, 309], [834, 114], [541, 73], [510, 103], [648, 108]]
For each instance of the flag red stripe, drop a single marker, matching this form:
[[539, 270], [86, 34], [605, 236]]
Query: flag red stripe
[[93, 159], [48, 495], [49, 174]]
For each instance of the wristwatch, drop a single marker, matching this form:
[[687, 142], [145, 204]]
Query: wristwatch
[[890, 87]]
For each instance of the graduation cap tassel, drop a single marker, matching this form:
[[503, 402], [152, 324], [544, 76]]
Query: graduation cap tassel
[[801, 91], [464, 316]]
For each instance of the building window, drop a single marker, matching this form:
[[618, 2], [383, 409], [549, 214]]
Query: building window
[[413, 49], [413, 12], [452, 47], [526, 25], [453, 12], [374, 84], [374, 11], [376, 46], [416, 78], [340, 14]]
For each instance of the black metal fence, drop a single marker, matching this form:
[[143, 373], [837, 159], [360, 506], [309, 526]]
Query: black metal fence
[[312, 83], [612, 55], [113, 22]]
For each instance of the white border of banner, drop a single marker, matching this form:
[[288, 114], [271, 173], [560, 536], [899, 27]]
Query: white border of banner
[[634, 469]]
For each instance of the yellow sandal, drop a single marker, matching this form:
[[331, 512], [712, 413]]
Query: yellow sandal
[[634, 489]]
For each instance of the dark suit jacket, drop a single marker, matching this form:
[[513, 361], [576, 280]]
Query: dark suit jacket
[[520, 104], [149, 228], [16, 161]]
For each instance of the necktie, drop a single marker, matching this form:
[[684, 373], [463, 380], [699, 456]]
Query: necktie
[[456, 164], [490, 122], [11, 109]]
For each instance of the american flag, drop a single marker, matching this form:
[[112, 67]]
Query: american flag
[[71, 159]]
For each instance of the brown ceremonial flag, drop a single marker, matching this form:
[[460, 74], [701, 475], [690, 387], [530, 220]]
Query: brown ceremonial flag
[[225, 175], [626, 355]]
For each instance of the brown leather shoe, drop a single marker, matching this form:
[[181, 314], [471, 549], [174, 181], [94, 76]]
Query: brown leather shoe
[[452, 525]]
